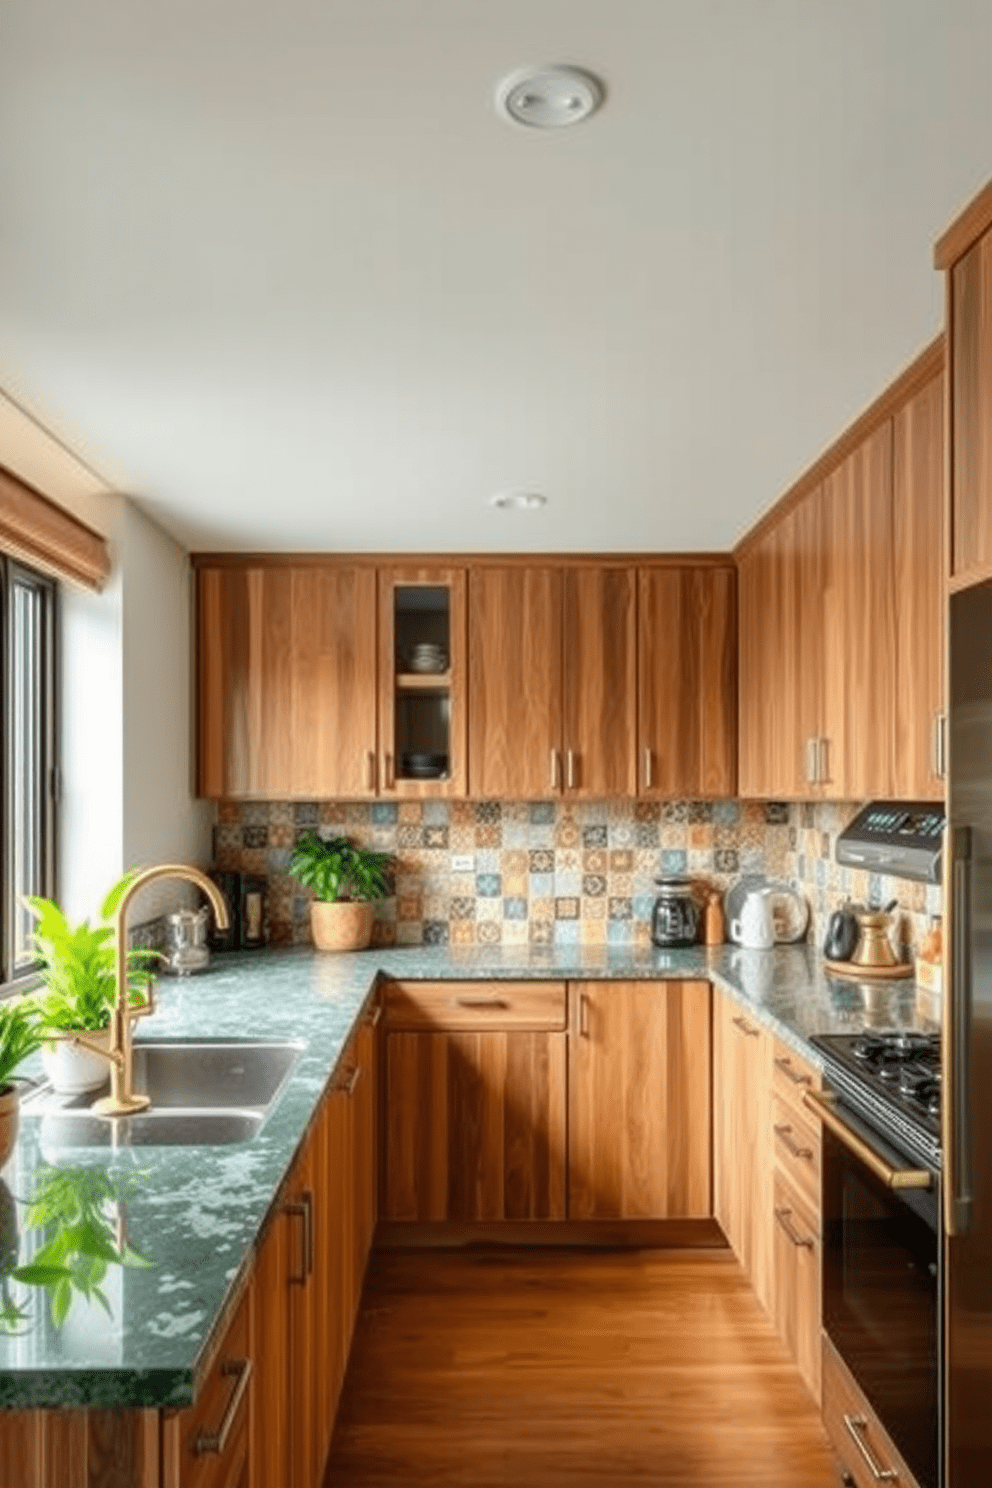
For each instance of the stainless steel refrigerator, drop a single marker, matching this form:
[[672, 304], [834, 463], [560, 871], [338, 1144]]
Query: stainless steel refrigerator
[[967, 1047]]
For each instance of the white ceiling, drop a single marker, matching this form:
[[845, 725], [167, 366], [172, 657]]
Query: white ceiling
[[278, 270]]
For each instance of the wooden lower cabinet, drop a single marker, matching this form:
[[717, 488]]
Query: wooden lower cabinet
[[797, 1261], [639, 1133], [475, 1125], [208, 1446], [742, 1082]]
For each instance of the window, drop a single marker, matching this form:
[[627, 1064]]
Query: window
[[27, 754]]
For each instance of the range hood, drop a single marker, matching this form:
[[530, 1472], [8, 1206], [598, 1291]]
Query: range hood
[[902, 838]]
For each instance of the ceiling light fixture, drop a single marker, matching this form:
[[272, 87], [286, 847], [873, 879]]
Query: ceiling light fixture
[[518, 501], [549, 97]]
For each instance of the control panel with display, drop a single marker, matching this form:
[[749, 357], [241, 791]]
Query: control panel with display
[[901, 838]]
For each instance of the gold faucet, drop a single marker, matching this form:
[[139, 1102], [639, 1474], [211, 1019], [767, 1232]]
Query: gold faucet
[[122, 1100]]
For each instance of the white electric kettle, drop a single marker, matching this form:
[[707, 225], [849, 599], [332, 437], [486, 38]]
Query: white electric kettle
[[755, 928]]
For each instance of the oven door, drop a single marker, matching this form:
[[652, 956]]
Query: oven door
[[881, 1287]]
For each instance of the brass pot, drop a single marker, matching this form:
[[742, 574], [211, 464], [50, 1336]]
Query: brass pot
[[345, 926]]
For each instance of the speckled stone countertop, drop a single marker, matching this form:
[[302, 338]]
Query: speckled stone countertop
[[196, 1212]]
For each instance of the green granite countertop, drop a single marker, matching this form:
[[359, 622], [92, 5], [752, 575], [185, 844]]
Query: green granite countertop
[[195, 1214]]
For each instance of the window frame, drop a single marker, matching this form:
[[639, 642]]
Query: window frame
[[13, 574]]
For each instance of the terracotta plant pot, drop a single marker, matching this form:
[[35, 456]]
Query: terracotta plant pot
[[10, 1114], [72, 1070], [345, 926]]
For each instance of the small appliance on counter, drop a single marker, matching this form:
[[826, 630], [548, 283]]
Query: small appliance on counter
[[755, 926], [230, 886], [186, 949], [789, 909], [675, 921]]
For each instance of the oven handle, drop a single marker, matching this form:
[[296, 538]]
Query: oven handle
[[821, 1104]]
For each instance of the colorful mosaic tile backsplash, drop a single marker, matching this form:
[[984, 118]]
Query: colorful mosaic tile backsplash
[[543, 872]]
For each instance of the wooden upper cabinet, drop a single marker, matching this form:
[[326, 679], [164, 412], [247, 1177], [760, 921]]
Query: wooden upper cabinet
[[687, 682], [515, 681], [857, 758], [918, 517], [639, 1108], [286, 681], [423, 713], [600, 682], [970, 363]]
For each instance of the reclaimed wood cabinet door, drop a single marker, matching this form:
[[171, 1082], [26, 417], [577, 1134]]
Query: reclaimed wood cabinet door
[[515, 681], [286, 681], [639, 1107], [600, 682], [475, 1125], [859, 671], [918, 518], [970, 327], [687, 682], [742, 1083], [270, 1387]]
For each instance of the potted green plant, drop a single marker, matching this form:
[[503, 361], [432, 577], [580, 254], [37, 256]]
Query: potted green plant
[[20, 1035], [78, 969], [345, 879]]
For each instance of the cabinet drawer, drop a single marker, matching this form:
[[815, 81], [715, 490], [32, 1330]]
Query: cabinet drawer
[[796, 1143], [855, 1433], [532, 1006], [792, 1076], [207, 1445]]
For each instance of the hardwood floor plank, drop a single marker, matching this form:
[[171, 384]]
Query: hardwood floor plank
[[569, 1369]]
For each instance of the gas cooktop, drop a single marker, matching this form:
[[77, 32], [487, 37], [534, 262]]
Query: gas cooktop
[[893, 1075]]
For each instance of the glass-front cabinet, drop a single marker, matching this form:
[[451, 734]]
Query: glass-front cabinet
[[422, 721]]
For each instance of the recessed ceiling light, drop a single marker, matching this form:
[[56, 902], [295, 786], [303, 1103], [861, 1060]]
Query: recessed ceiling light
[[518, 500], [549, 97]]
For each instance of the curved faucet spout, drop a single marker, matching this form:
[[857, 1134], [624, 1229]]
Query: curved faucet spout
[[122, 1101]]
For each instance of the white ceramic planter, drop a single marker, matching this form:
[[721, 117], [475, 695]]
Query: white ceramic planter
[[72, 1070]]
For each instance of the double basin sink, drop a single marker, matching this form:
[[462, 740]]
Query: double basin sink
[[203, 1093]]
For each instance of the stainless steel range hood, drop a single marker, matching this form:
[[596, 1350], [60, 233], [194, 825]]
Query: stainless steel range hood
[[901, 838]]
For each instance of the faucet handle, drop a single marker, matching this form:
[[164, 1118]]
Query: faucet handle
[[147, 1008]]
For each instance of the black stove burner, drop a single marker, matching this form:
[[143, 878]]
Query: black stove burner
[[898, 1068]]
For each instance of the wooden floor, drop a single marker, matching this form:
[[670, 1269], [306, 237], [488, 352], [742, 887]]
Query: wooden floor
[[561, 1369]]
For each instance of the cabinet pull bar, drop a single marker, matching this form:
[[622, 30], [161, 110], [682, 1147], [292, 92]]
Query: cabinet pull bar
[[856, 1426], [783, 1063], [212, 1443], [823, 761], [387, 771], [784, 1134], [896, 1178], [374, 1015], [353, 1079], [570, 769], [555, 771], [811, 761], [941, 746], [370, 781], [303, 1209], [801, 1242], [583, 1015], [746, 1028], [490, 1004], [647, 769]]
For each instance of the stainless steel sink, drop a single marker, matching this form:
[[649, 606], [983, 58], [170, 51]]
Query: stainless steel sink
[[203, 1093]]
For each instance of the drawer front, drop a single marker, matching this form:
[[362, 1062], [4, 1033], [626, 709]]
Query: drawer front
[[796, 1143], [209, 1442], [857, 1437], [792, 1076], [533, 1006], [798, 1263]]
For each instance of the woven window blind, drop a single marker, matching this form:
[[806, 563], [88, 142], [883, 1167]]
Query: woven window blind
[[37, 531]]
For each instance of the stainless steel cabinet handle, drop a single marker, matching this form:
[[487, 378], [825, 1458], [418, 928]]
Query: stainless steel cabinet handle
[[374, 1015], [387, 772], [822, 761], [583, 1015], [784, 1134], [856, 1425], [370, 779], [938, 746], [570, 769], [811, 760], [647, 769], [486, 1004], [746, 1028], [801, 1242], [212, 1443], [303, 1209], [555, 770], [785, 1065], [955, 1043], [352, 1081], [822, 1107]]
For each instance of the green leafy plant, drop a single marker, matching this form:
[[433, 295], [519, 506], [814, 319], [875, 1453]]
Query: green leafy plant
[[81, 1212], [79, 965], [339, 868], [20, 1035]]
